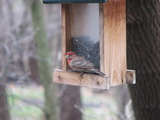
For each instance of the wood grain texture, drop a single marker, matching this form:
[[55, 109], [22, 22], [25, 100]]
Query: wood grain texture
[[66, 33], [101, 36], [131, 76], [115, 40], [73, 78]]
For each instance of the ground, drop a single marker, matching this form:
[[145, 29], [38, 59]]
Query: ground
[[26, 103]]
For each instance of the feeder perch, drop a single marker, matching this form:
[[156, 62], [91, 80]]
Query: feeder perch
[[104, 24]]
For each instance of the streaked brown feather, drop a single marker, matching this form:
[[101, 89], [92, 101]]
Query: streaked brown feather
[[81, 63]]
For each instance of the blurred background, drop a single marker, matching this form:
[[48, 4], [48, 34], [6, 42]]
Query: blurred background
[[30, 48]]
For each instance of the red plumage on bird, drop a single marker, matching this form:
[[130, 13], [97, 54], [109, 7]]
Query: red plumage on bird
[[79, 64]]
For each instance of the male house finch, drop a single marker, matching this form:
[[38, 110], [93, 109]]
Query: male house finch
[[79, 64]]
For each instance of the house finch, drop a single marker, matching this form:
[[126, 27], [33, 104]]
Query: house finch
[[79, 64]]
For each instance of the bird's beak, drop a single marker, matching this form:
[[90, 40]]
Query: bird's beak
[[67, 56]]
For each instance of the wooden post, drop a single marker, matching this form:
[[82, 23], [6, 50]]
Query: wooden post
[[66, 33], [115, 41]]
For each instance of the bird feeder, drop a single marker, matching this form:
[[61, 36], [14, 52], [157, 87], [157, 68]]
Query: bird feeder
[[105, 25]]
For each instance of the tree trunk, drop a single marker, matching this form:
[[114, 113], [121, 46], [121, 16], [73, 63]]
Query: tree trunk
[[4, 113], [5, 57], [143, 47], [34, 75], [30, 62], [69, 98], [70, 95], [45, 68]]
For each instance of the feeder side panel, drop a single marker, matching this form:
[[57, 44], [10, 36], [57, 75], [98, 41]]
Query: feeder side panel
[[115, 40]]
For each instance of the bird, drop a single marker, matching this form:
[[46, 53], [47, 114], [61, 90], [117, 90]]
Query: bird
[[80, 64]]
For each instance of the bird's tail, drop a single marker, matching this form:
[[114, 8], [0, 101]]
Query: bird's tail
[[100, 73]]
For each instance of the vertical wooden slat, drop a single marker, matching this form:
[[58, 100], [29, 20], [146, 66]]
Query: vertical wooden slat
[[63, 19], [115, 40], [101, 36], [66, 34]]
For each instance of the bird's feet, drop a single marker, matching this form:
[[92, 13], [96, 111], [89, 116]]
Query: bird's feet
[[107, 77], [81, 75], [71, 70]]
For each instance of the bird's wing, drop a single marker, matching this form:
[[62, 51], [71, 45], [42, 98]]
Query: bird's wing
[[81, 63]]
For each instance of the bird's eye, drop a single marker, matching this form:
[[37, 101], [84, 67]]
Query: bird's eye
[[68, 56]]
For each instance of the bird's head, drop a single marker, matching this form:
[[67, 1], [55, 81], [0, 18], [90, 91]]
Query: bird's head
[[70, 55]]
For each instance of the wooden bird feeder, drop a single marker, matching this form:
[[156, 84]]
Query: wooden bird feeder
[[105, 22]]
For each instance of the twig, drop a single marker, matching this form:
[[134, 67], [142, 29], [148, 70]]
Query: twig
[[84, 113]]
